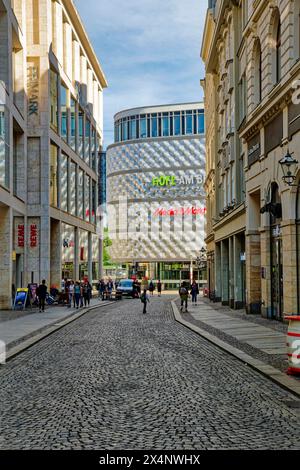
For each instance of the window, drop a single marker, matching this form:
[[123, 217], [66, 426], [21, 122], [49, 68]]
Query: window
[[81, 133], [80, 194], [94, 202], [143, 128], [132, 129], [73, 187], [278, 52], [201, 123], [257, 73], [165, 126], [177, 124], [64, 112], [93, 146], [87, 140], [4, 145], [64, 186], [87, 198], [53, 176], [125, 130], [54, 100], [73, 124], [189, 123]]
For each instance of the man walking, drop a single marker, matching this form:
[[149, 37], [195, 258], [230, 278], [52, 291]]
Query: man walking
[[42, 292], [183, 292], [145, 299], [159, 287]]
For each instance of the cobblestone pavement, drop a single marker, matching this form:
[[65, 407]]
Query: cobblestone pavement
[[117, 379]]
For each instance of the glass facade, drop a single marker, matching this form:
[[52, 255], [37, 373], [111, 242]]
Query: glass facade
[[80, 194], [73, 124], [54, 176], [4, 145], [87, 198], [81, 133], [54, 100], [64, 183], [64, 112], [73, 198], [166, 124]]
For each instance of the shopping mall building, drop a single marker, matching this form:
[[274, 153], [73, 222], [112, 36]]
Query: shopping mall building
[[155, 194]]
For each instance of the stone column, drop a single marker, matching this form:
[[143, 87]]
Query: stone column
[[239, 300], [254, 272], [56, 255], [90, 257], [225, 271], [289, 269], [76, 254], [218, 282], [231, 273], [6, 237]]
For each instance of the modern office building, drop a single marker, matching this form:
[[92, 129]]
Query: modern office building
[[51, 131], [155, 191], [251, 50]]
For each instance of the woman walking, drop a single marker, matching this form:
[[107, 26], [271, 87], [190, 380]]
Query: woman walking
[[77, 294]]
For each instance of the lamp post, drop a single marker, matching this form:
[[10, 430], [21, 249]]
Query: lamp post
[[201, 260]]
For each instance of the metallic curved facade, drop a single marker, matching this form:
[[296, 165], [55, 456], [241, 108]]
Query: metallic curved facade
[[156, 197]]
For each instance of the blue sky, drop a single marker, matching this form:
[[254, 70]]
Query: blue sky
[[149, 51]]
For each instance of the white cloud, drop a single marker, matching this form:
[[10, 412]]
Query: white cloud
[[149, 50]]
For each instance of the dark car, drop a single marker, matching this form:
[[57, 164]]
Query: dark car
[[126, 286]]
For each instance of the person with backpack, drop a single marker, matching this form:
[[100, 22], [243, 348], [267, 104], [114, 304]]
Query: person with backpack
[[194, 292], [145, 299], [184, 293]]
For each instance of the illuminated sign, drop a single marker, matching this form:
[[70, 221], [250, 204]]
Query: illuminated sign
[[33, 236], [171, 180], [181, 211]]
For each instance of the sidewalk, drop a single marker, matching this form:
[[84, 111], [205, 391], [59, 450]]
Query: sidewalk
[[259, 342], [19, 330]]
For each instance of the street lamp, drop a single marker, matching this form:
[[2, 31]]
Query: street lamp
[[289, 166]]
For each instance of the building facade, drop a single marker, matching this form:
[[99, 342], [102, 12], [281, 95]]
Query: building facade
[[225, 185], [51, 88], [267, 73], [155, 192]]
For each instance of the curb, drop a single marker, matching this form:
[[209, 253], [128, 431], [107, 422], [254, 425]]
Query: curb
[[286, 382], [37, 335]]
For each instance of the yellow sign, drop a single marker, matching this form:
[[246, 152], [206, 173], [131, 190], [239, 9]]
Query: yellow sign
[[14, 256]]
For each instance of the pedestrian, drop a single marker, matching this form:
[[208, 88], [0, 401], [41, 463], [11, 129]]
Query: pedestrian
[[145, 299], [77, 294], [71, 294], [102, 288], [184, 293], [42, 293], [85, 291], [194, 292], [99, 288], [81, 293], [110, 286], [90, 292], [159, 287], [151, 287]]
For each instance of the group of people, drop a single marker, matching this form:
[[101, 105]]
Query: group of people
[[105, 288], [77, 293], [185, 294], [152, 288]]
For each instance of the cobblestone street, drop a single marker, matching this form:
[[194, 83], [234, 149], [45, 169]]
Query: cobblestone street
[[117, 379]]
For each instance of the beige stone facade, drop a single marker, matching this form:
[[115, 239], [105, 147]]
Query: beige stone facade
[[51, 132], [267, 70]]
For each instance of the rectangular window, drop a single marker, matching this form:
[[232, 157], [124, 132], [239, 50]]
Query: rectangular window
[[183, 125], [73, 124], [176, 125], [94, 202], [64, 112], [125, 130], [166, 129], [132, 129], [64, 186], [54, 100], [73, 187], [189, 124], [154, 131], [143, 128], [80, 194], [201, 123], [4, 146], [87, 140], [93, 146], [81, 133], [53, 176], [87, 198]]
